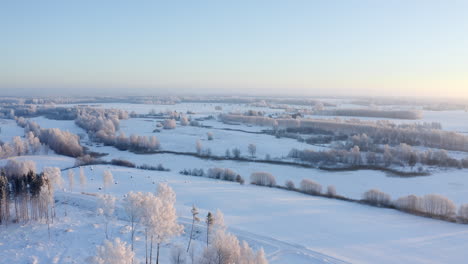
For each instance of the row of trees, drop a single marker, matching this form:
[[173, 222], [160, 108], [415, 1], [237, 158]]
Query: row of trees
[[103, 124], [21, 146], [396, 114], [215, 173], [28, 194], [62, 142], [402, 155], [382, 132]]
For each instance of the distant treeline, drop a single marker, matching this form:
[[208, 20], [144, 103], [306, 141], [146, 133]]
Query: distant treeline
[[382, 132], [395, 114]]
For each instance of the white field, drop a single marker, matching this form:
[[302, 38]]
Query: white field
[[292, 227]]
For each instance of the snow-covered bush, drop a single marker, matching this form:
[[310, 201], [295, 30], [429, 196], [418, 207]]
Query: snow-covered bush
[[209, 135], [262, 178], [169, 124], [116, 252], [310, 187]]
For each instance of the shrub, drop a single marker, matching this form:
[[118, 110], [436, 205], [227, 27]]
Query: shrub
[[331, 191], [169, 124], [122, 162], [290, 185]]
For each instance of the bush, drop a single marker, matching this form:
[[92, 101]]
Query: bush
[[331, 191], [209, 135], [122, 162], [160, 167], [290, 185], [310, 187], [222, 174], [169, 124], [262, 178]]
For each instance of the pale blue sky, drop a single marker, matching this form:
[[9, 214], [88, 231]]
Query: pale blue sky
[[391, 47]]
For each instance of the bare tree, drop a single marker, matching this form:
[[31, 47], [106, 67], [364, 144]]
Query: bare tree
[[195, 218], [252, 149]]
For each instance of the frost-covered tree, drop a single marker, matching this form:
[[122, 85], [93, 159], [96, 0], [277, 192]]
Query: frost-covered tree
[[159, 217], [107, 179], [133, 203], [377, 197], [198, 147], [310, 187], [438, 205], [226, 248], [106, 208], [463, 213], [252, 149], [195, 218], [71, 180], [116, 252], [209, 223], [82, 179]]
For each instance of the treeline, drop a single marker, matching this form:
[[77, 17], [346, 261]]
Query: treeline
[[215, 173], [21, 146], [382, 132], [102, 125], [62, 142], [395, 114], [30, 196], [386, 156]]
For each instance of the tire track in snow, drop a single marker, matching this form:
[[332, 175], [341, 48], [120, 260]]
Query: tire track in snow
[[277, 248]]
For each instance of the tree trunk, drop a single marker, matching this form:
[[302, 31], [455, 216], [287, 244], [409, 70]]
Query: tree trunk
[[146, 245], [151, 250], [191, 232], [157, 255], [207, 234]]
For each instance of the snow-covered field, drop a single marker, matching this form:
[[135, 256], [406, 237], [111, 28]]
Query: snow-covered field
[[291, 227]]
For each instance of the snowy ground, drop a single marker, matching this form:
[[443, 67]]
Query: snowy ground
[[292, 227]]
